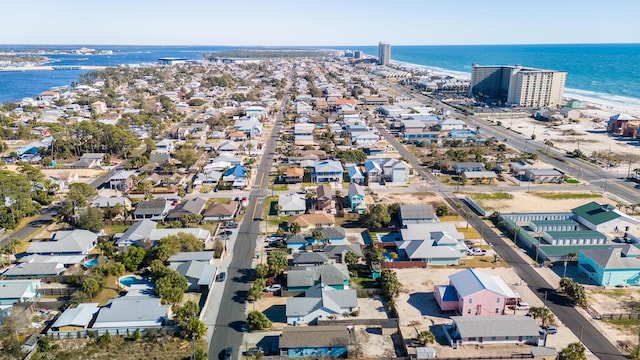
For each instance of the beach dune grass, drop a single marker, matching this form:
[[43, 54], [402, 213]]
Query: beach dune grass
[[566, 195], [490, 196]]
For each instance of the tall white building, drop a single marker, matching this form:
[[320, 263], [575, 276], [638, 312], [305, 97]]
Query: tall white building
[[384, 53], [518, 85]]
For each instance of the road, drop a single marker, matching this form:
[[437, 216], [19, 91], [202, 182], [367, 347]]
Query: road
[[232, 314], [595, 341]]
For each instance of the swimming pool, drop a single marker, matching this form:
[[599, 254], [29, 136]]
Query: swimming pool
[[91, 263], [129, 280]]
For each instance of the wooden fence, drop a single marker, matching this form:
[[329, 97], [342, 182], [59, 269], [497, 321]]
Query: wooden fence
[[625, 316], [404, 264]]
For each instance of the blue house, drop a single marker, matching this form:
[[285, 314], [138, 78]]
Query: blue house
[[614, 266], [356, 197], [327, 171], [355, 174], [316, 341], [296, 242], [334, 236], [303, 278]]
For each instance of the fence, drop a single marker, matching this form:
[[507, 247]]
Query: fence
[[63, 292], [404, 264], [99, 332], [475, 206], [368, 292], [625, 316], [387, 323], [512, 356]]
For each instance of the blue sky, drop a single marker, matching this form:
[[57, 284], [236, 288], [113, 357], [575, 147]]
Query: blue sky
[[326, 22]]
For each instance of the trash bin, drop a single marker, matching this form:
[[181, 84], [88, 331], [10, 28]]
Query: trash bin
[[257, 256]]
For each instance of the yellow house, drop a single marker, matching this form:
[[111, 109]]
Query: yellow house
[[77, 318]]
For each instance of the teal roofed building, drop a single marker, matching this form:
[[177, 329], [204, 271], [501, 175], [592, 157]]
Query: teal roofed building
[[612, 266], [604, 218]]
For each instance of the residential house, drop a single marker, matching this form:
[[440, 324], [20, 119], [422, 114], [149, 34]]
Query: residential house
[[373, 171], [604, 218], [236, 176], [192, 206], [250, 127], [237, 136], [355, 174], [612, 266], [309, 258], [461, 167], [197, 268], [303, 108], [337, 252], [297, 241], [365, 138], [327, 171], [66, 243], [18, 291], [544, 176], [324, 196], [152, 210], [157, 234], [506, 329], [75, 319], [434, 243], [132, 312], [304, 129], [356, 196], [333, 235], [122, 181], [31, 270], [622, 124], [315, 341], [106, 203], [320, 302], [228, 147], [417, 214], [395, 171], [302, 278], [309, 222], [294, 175], [452, 124], [257, 111], [165, 146], [474, 293], [221, 212], [135, 234], [98, 107], [292, 204], [89, 161]]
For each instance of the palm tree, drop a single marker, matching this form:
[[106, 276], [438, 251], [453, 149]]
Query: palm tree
[[516, 232]]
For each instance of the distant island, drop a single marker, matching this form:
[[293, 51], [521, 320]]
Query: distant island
[[269, 53]]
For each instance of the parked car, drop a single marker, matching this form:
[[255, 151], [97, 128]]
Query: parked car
[[521, 305], [228, 353], [273, 288], [550, 329], [222, 276], [476, 251], [254, 351], [231, 225], [243, 327]]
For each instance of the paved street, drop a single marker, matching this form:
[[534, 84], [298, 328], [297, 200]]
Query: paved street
[[231, 306], [595, 341]]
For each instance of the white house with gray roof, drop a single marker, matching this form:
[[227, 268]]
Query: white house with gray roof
[[417, 214], [132, 312], [67, 242], [135, 234], [292, 204], [319, 302], [18, 291], [302, 278], [74, 319], [433, 243], [505, 329]]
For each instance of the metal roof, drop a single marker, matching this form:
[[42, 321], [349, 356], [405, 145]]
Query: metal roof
[[499, 326], [471, 281], [78, 316], [314, 336]]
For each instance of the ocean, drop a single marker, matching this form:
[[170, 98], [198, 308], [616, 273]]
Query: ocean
[[606, 71]]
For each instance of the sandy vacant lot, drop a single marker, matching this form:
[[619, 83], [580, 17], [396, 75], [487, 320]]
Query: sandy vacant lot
[[419, 311], [531, 202]]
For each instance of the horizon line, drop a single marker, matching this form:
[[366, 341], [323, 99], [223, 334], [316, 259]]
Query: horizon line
[[314, 46]]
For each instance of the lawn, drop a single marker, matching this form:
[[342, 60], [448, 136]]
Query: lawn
[[490, 196], [566, 196], [481, 262], [280, 187], [109, 291], [469, 233], [115, 229]]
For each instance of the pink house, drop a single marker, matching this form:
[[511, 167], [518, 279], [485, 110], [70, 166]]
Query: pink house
[[472, 293]]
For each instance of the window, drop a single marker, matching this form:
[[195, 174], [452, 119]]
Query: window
[[497, 310], [468, 311], [497, 300], [470, 301]]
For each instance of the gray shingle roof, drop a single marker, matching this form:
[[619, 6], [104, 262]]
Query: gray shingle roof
[[612, 258], [14, 289], [334, 274], [498, 326], [132, 309], [335, 251], [309, 258], [205, 256], [35, 269], [191, 206], [333, 233], [314, 336], [78, 316], [152, 207], [138, 231], [416, 212], [73, 241]]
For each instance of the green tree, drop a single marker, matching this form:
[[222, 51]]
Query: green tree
[[377, 217], [394, 211], [91, 219], [351, 258], [442, 209], [256, 290], [186, 156], [171, 287], [186, 317], [373, 254], [91, 286], [258, 321], [173, 244], [294, 228], [574, 291], [107, 249], [390, 284], [12, 246], [133, 257], [543, 314], [573, 351], [277, 262], [352, 156], [426, 337], [262, 271]]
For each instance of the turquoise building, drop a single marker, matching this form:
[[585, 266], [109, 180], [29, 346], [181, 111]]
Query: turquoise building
[[613, 266]]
